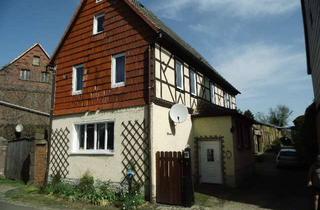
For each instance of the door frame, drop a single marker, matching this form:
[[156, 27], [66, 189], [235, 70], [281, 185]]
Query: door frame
[[197, 150]]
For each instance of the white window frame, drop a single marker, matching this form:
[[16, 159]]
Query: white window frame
[[97, 1], [76, 139], [181, 74], [213, 95], [95, 23], [74, 79], [194, 75], [115, 84]]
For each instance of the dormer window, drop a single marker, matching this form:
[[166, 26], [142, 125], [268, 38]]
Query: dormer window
[[36, 61], [98, 24]]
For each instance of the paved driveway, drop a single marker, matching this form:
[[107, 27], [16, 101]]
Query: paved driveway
[[270, 188]]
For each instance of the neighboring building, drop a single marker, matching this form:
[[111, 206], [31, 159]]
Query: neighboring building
[[311, 17], [119, 71], [25, 92], [265, 135]]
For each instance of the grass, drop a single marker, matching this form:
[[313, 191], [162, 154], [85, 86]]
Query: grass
[[31, 196]]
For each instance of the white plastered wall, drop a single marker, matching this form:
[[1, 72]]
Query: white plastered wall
[[102, 167], [167, 138]]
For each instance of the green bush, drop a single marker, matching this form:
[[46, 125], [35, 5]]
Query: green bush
[[99, 193]]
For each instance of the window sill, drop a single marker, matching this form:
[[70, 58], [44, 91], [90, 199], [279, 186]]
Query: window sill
[[117, 85], [74, 93], [97, 33], [92, 153]]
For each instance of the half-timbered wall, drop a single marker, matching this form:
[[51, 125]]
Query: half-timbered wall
[[166, 88], [124, 32]]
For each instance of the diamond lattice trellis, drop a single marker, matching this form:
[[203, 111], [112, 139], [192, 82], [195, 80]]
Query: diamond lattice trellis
[[59, 152], [136, 150]]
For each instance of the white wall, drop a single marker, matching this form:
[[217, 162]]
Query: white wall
[[164, 138], [103, 167]]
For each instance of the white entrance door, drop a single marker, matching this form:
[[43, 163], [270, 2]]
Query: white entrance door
[[210, 162]]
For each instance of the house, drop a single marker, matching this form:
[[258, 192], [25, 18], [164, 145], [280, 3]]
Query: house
[[265, 135], [311, 19], [25, 92], [119, 70]]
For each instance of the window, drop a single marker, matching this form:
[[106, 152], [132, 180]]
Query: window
[[179, 75], [77, 80], [36, 61], [25, 74], [98, 24], [210, 155], [44, 77], [95, 137], [118, 70], [227, 100], [213, 98], [193, 82], [219, 96], [233, 102]]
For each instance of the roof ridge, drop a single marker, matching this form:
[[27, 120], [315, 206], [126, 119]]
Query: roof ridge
[[26, 51]]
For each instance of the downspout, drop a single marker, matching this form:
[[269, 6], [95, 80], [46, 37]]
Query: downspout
[[149, 102], [53, 69]]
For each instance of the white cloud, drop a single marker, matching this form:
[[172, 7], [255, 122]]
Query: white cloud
[[255, 68], [238, 8]]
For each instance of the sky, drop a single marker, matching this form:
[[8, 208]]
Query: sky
[[257, 45]]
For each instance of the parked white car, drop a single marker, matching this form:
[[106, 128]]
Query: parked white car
[[288, 157]]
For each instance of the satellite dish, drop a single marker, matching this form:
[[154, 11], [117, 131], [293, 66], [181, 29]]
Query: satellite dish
[[19, 128], [178, 113]]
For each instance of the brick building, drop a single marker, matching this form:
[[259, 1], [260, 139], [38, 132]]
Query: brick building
[[25, 92]]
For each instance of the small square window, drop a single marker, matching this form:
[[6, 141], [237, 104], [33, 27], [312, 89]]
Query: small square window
[[25, 74], [36, 61], [118, 70], [179, 75], [98, 24], [77, 80]]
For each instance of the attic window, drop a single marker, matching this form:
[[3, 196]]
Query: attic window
[[36, 61], [98, 24]]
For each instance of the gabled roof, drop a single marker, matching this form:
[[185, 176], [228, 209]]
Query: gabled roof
[[159, 27], [25, 52]]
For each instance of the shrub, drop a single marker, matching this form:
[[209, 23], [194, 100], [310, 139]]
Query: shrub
[[86, 184], [99, 193]]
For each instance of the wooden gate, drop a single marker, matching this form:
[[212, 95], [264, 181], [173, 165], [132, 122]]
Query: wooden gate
[[169, 169], [19, 159]]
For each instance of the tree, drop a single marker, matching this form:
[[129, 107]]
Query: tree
[[278, 116], [249, 114]]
